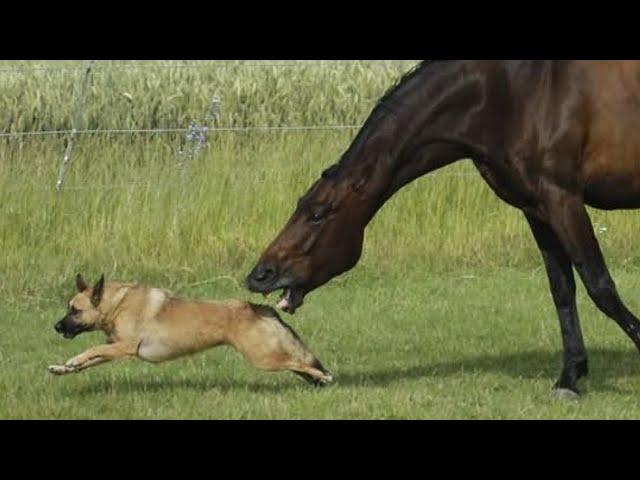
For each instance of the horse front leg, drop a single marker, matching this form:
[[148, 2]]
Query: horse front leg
[[563, 291]]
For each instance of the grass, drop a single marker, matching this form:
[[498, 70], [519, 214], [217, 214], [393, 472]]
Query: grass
[[126, 210], [483, 344], [448, 314]]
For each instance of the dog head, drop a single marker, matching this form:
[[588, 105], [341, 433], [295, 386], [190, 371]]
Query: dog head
[[83, 314]]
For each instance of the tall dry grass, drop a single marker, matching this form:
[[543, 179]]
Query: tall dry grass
[[127, 211]]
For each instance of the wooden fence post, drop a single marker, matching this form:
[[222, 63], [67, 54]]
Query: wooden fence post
[[77, 117]]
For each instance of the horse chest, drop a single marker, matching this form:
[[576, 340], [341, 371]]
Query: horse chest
[[507, 182]]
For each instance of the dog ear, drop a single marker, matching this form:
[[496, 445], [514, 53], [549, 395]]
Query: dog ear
[[96, 293], [80, 283]]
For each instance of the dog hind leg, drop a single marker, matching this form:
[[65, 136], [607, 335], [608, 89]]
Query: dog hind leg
[[315, 374], [268, 343]]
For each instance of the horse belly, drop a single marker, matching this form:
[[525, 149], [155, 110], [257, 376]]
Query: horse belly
[[611, 179], [610, 171], [613, 192]]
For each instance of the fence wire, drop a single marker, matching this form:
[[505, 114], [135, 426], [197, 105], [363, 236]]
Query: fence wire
[[151, 183], [181, 130], [104, 68], [101, 68]]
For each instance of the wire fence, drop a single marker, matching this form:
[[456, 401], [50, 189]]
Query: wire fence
[[131, 131], [102, 67], [195, 134], [148, 183], [105, 68]]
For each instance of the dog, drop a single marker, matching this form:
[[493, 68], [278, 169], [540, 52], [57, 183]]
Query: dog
[[154, 325]]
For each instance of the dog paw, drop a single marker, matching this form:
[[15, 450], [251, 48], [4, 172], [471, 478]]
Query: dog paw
[[324, 381], [59, 369]]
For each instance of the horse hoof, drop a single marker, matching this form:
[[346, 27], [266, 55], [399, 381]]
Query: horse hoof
[[564, 394]]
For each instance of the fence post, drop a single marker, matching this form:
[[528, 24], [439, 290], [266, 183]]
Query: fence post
[[77, 117], [214, 110]]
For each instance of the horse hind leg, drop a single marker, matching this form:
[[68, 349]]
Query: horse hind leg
[[570, 221]]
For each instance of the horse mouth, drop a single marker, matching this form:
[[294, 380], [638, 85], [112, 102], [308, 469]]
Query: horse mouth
[[290, 299]]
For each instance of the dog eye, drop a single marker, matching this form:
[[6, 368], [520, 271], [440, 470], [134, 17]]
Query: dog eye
[[73, 310]]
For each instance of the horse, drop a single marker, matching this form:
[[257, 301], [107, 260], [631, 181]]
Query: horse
[[548, 136]]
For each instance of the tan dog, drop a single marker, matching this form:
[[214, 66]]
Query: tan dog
[[153, 325]]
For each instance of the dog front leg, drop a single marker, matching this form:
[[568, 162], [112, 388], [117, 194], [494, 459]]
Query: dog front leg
[[92, 357]]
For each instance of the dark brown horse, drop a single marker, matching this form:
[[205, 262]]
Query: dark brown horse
[[549, 137]]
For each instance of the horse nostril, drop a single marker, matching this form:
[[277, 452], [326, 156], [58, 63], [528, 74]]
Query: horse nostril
[[263, 272]]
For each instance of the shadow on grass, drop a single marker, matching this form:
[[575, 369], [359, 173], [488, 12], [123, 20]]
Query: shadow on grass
[[604, 364], [202, 385]]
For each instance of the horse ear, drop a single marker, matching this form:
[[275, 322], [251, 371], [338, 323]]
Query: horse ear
[[81, 285], [331, 172], [96, 293]]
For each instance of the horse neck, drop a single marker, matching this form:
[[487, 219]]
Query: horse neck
[[430, 122]]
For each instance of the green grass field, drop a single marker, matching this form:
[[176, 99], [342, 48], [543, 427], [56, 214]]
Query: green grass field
[[448, 314], [479, 344]]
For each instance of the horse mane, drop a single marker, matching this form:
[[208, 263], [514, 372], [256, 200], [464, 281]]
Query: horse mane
[[404, 78], [332, 171]]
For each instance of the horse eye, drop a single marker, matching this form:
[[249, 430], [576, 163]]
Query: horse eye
[[317, 215]]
